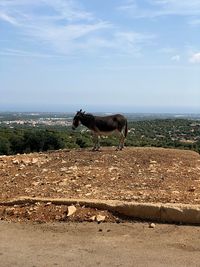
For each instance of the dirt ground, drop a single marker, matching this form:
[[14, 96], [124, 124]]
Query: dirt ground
[[90, 244], [134, 174]]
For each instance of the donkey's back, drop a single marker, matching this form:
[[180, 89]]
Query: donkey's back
[[109, 123]]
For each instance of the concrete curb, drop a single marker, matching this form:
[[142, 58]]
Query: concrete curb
[[170, 213]]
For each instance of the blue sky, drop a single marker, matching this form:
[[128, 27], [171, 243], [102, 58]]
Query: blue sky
[[100, 55]]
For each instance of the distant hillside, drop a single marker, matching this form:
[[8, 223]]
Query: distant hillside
[[168, 133]]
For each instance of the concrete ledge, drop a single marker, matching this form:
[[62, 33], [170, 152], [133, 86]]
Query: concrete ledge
[[170, 213]]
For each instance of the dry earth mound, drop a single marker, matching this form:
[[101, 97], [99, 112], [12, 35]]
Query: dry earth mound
[[134, 174]]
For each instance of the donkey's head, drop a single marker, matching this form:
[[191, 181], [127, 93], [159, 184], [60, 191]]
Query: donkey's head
[[77, 119]]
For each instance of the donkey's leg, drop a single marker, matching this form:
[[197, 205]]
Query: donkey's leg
[[96, 142], [123, 136], [121, 141]]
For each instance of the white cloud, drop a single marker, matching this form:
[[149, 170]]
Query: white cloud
[[56, 9], [131, 4], [132, 42], [58, 24], [195, 58], [156, 8], [195, 22], [7, 18], [69, 10], [65, 27], [176, 58], [167, 50], [22, 53]]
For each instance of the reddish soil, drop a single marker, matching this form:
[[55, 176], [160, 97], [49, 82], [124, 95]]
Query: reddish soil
[[134, 174]]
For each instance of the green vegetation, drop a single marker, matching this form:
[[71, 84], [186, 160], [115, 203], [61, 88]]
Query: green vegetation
[[173, 133]]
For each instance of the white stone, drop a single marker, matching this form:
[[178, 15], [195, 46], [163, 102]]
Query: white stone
[[71, 210]]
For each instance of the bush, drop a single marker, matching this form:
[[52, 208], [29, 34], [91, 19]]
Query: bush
[[4, 146]]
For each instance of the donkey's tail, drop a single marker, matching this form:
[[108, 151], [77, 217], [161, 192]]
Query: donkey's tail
[[126, 129]]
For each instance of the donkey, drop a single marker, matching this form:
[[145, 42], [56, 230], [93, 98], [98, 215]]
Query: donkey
[[102, 126]]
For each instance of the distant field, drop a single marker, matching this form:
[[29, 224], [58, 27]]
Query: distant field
[[13, 116]]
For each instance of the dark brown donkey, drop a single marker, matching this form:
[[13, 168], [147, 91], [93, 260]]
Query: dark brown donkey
[[102, 126]]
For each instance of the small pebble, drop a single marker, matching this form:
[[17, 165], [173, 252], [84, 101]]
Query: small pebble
[[152, 225]]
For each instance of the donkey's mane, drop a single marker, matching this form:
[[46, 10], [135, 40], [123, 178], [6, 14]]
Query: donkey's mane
[[89, 115]]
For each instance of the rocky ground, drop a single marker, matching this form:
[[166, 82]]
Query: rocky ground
[[134, 174]]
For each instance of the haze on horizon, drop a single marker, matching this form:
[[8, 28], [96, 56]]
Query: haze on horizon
[[126, 55]]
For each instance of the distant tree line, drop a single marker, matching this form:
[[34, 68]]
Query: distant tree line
[[157, 133]]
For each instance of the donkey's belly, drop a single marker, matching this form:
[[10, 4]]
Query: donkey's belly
[[116, 132]]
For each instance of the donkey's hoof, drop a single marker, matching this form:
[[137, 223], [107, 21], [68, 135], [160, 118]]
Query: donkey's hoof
[[96, 149], [119, 148]]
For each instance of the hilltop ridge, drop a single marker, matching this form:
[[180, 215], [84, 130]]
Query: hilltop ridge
[[134, 174], [149, 175]]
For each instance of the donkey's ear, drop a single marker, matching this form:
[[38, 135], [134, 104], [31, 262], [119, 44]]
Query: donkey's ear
[[80, 110], [83, 112]]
